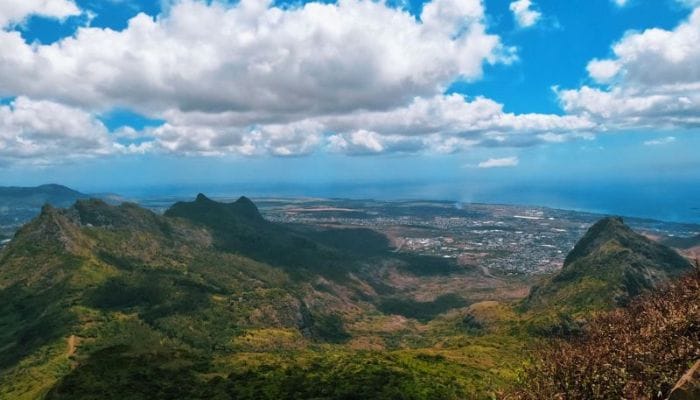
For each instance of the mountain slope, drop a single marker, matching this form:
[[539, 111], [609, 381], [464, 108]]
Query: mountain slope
[[608, 266], [239, 228], [211, 300], [634, 352]]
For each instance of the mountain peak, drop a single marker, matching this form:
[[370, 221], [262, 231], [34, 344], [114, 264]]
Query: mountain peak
[[47, 208], [202, 198], [608, 266], [244, 200], [245, 207], [204, 207], [604, 230]]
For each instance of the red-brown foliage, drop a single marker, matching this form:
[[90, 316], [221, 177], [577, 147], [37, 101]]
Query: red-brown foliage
[[636, 352]]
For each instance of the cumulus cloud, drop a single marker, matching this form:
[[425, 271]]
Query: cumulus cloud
[[653, 81], [603, 70], [524, 13], [13, 12], [442, 124], [252, 58], [45, 132], [661, 141], [500, 162], [355, 77], [686, 3], [291, 139], [254, 79]]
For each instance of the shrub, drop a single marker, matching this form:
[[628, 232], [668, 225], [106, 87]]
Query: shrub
[[636, 352]]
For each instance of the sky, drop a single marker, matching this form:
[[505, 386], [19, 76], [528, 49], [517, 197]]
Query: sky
[[583, 104]]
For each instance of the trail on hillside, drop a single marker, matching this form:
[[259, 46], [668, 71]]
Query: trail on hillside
[[72, 344]]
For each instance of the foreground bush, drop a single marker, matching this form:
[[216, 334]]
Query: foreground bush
[[637, 352]]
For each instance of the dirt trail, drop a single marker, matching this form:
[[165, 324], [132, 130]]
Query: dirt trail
[[72, 344]]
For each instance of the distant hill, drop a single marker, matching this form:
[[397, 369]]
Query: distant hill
[[35, 197], [608, 266], [19, 205]]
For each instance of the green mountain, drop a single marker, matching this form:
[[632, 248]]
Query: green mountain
[[210, 300], [239, 228], [607, 267]]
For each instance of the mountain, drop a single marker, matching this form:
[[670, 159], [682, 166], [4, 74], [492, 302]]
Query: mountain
[[620, 319], [607, 267], [239, 228], [56, 195], [20, 204], [210, 300]]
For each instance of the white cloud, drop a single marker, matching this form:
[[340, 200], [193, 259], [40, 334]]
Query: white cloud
[[524, 13], [661, 141], [290, 139], [45, 132], [356, 77], [603, 71], [620, 3], [440, 124], [653, 81], [357, 142], [15, 11], [499, 162], [259, 61], [252, 79]]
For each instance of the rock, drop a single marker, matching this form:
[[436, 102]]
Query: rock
[[688, 387]]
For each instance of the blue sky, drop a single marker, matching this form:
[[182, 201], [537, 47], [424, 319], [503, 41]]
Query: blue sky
[[538, 101]]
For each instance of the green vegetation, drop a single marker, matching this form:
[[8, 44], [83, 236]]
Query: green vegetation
[[607, 267], [211, 301], [423, 311]]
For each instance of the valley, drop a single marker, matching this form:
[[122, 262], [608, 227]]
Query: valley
[[504, 239]]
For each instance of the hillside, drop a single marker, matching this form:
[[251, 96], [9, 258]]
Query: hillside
[[212, 300], [636, 352], [620, 320], [607, 267]]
